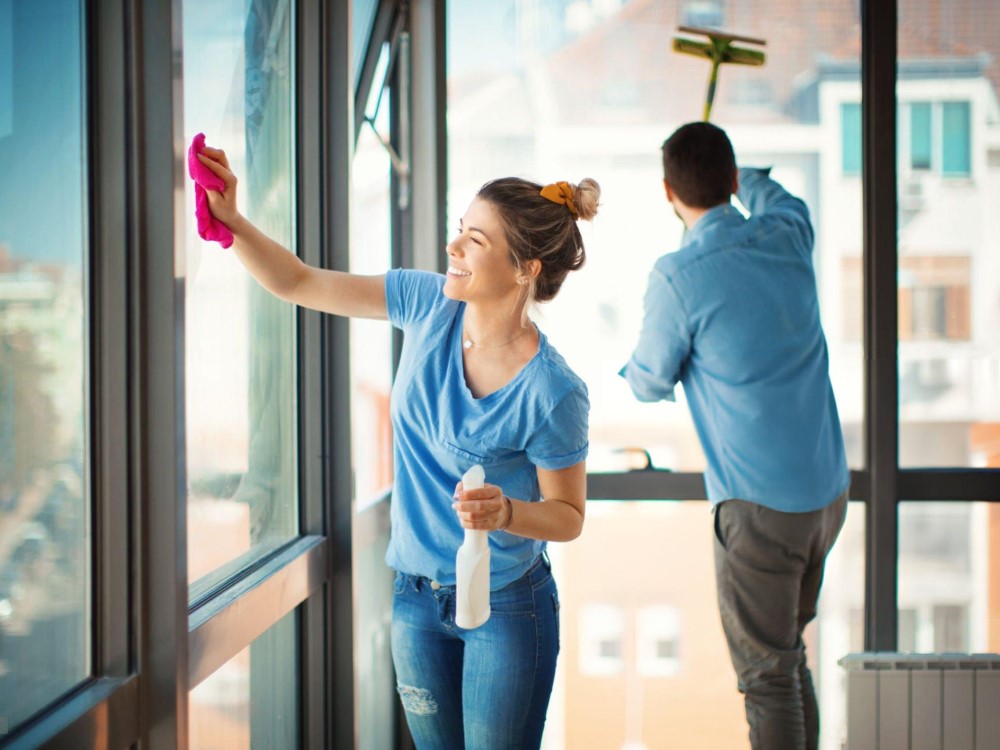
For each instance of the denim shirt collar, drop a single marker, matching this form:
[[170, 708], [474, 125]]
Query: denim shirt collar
[[721, 214]]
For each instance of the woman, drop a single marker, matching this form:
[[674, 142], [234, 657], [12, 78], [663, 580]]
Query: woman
[[477, 384]]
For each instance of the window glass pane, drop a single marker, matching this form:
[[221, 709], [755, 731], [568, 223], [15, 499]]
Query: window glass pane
[[644, 659], [955, 124], [362, 20], [371, 431], [850, 133], [920, 135], [371, 340], [949, 240], [563, 91], [240, 349], [374, 106], [949, 575], [251, 701], [45, 543]]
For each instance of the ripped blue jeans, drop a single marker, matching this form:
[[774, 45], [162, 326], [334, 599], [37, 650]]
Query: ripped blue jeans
[[481, 689]]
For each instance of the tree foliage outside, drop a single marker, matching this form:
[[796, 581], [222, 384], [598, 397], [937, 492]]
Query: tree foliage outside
[[28, 419]]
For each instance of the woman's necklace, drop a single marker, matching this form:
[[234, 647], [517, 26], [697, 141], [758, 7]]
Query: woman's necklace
[[468, 343]]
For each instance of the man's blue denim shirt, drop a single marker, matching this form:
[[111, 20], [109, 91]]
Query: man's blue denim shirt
[[734, 316]]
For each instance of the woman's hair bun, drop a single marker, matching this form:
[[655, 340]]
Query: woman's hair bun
[[587, 197]]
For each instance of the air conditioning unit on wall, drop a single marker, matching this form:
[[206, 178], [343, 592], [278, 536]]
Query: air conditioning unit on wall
[[912, 194]]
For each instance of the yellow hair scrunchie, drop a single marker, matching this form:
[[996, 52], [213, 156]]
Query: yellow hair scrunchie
[[562, 193]]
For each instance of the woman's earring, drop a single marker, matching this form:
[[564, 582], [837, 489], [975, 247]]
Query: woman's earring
[[522, 279]]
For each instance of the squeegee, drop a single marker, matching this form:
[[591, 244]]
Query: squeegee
[[721, 50]]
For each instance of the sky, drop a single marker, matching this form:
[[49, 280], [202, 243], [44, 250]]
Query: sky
[[41, 130]]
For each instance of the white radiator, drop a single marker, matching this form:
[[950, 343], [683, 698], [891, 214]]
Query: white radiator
[[923, 701]]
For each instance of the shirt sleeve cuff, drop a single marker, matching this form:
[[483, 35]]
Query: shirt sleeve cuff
[[644, 385], [555, 463], [392, 292], [751, 171]]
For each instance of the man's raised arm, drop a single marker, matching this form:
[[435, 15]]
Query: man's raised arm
[[763, 196]]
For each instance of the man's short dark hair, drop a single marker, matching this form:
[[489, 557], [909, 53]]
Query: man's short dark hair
[[699, 164]]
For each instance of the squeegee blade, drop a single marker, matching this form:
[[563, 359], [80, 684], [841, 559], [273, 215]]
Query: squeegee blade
[[692, 47], [741, 56]]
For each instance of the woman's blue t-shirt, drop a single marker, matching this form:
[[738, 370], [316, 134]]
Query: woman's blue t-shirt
[[539, 419]]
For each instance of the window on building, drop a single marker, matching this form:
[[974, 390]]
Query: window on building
[[951, 628], [936, 137], [658, 634], [602, 630], [850, 131], [934, 298], [609, 648], [929, 627], [907, 628], [920, 135], [956, 149], [703, 14]]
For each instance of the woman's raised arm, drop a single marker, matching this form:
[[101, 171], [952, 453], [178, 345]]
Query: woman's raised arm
[[283, 273]]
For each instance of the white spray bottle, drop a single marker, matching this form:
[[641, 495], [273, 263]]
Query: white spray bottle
[[472, 567]]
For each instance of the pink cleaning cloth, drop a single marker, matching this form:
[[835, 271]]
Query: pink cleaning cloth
[[209, 228]]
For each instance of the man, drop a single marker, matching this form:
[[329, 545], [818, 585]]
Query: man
[[734, 316]]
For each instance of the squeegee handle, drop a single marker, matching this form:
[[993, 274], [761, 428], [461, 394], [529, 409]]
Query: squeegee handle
[[713, 79]]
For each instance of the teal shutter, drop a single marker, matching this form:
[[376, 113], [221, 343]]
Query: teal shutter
[[920, 135], [850, 131], [956, 126]]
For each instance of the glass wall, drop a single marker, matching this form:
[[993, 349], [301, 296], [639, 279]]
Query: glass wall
[[252, 701], [371, 340], [643, 653], [239, 340], [949, 586], [562, 91], [371, 431], [547, 89], [45, 534], [949, 233], [363, 14]]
